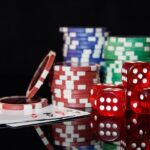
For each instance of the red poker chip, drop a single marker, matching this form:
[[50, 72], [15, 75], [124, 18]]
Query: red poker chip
[[68, 82], [69, 105], [22, 103], [74, 92], [72, 86], [68, 66], [40, 74], [75, 77], [72, 96], [72, 101]]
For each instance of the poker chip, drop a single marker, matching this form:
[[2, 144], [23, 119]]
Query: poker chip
[[70, 92], [22, 103], [70, 84], [71, 96], [118, 50], [76, 103], [83, 39], [82, 29], [68, 66], [40, 74]]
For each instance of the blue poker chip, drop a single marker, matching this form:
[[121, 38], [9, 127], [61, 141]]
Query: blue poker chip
[[77, 59], [78, 42], [88, 147], [83, 29], [83, 55], [92, 52], [83, 46], [85, 39], [79, 35]]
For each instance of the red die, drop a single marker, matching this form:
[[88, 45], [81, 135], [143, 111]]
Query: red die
[[111, 102], [136, 74], [140, 101], [96, 89], [111, 128]]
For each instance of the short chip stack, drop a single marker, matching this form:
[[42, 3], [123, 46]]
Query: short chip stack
[[83, 44], [120, 49], [71, 84]]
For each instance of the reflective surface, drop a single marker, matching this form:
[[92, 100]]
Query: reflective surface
[[132, 131]]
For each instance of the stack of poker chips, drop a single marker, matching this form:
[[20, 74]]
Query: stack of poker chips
[[71, 83], [118, 50], [83, 44]]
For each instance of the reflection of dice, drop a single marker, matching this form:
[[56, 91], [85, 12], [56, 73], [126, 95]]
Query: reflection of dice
[[133, 144], [137, 126], [136, 74], [111, 128], [96, 89], [94, 117], [136, 137], [111, 102], [140, 101]]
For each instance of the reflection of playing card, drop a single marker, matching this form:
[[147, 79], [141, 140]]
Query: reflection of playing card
[[47, 113]]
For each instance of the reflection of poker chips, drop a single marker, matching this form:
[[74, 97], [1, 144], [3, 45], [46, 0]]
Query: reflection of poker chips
[[63, 143], [22, 103], [70, 84], [40, 74], [118, 50], [73, 133], [83, 39]]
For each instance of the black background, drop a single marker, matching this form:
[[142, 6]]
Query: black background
[[29, 29]]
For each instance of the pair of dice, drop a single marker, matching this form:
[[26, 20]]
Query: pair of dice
[[112, 100]]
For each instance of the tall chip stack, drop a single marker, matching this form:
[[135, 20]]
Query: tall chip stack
[[71, 83], [120, 49], [83, 44]]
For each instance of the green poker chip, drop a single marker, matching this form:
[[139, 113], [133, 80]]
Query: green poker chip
[[118, 39]]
